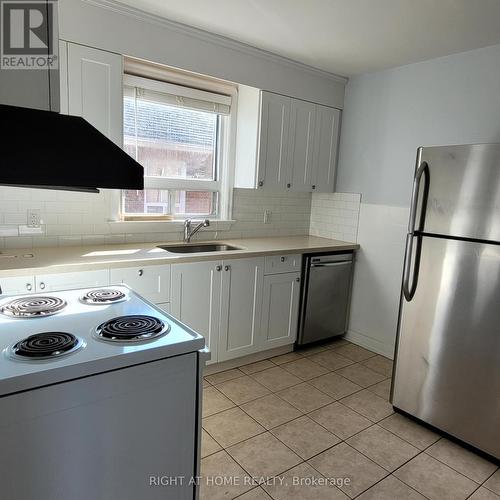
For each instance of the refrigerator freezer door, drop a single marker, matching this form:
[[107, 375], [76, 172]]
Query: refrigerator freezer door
[[464, 191], [447, 369]]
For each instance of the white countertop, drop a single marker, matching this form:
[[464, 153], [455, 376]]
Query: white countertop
[[17, 262]]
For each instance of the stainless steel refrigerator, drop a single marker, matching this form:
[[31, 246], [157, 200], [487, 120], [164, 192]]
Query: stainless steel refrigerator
[[447, 370]]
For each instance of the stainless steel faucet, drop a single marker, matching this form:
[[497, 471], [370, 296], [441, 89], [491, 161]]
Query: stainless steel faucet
[[188, 232]]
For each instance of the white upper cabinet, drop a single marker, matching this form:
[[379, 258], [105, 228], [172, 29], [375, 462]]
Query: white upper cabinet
[[301, 145], [94, 88], [274, 136], [325, 148], [283, 143]]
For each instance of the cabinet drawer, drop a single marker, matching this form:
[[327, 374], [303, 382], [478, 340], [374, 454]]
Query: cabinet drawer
[[282, 263], [68, 281], [152, 282], [17, 285]]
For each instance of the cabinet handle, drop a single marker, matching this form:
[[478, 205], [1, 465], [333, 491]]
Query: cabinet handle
[[297, 280], [282, 259], [29, 287], [289, 185], [314, 186], [140, 272], [261, 183], [218, 268], [227, 268], [42, 285]]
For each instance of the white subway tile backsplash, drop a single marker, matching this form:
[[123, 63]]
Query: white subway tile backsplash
[[14, 218], [18, 242], [70, 241], [74, 218], [335, 215]]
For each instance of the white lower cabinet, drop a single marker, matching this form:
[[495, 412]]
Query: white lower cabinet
[[54, 281], [222, 300], [280, 308], [196, 295], [67, 281], [152, 282], [166, 307], [13, 285], [241, 307]]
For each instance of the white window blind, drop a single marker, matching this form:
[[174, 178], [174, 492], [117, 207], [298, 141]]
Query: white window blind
[[176, 95]]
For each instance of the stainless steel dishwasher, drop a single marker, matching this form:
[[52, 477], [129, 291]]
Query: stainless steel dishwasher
[[326, 290]]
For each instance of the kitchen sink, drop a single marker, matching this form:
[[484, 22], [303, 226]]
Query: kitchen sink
[[202, 247]]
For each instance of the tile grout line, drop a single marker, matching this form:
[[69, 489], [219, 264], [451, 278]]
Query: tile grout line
[[452, 468], [272, 392], [307, 415]]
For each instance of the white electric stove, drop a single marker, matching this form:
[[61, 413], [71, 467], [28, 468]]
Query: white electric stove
[[99, 398]]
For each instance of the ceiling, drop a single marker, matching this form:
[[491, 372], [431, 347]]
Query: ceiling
[[346, 37]]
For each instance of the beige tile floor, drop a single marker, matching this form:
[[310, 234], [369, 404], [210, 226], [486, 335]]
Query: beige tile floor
[[278, 428]]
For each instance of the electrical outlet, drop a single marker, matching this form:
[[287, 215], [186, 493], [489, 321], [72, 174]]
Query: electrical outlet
[[267, 216], [34, 218]]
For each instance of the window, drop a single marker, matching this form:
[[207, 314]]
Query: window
[[179, 135]]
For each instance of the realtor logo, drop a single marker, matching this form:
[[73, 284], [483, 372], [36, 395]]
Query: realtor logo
[[27, 37]]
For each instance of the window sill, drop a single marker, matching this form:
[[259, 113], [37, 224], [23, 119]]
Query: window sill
[[169, 226]]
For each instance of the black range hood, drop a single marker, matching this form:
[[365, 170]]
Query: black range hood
[[44, 149]]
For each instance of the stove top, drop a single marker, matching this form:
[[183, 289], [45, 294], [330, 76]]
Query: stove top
[[50, 339], [33, 307]]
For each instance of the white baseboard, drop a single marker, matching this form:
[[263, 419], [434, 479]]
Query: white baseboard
[[370, 343]]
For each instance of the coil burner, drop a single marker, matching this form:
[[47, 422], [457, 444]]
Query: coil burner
[[103, 296], [136, 328], [33, 307], [46, 345]]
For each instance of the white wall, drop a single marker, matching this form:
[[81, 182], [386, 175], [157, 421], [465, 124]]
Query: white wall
[[387, 115], [147, 37]]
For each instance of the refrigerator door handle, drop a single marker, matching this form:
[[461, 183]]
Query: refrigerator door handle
[[410, 289], [422, 169]]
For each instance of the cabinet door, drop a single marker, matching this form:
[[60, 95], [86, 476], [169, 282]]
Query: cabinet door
[[325, 148], [95, 89], [152, 282], [280, 310], [273, 144], [195, 299], [68, 281], [241, 307], [17, 285], [301, 145]]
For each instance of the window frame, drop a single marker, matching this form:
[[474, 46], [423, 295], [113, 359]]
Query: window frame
[[224, 153]]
